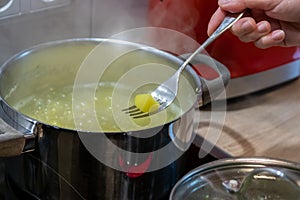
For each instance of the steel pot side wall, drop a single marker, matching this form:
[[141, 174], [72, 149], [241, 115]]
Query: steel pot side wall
[[61, 167]]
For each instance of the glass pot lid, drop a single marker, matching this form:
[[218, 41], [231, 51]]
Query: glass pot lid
[[241, 179]]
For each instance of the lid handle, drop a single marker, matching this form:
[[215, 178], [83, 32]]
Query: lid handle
[[241, 187]]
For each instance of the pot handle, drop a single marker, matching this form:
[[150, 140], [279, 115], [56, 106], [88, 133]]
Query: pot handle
[[214, 76], [12, 142]]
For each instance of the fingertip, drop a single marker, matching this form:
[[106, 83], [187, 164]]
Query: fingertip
[[275, 38], [263, 27], [243, 26], [278, 35]]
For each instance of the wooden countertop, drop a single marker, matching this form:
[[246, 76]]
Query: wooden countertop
[[266, 123]]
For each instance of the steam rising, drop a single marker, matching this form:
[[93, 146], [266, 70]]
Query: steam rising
[[114, 16], [131, 20], [178, 15]]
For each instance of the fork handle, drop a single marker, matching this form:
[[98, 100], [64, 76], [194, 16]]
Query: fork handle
[[211, 87], [227, 22]]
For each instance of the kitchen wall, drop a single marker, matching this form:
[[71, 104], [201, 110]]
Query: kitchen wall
[[114, 16], [31, 22], [31, 27]]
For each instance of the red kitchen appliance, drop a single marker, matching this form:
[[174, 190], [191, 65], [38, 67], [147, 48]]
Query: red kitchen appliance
[[252, 69]]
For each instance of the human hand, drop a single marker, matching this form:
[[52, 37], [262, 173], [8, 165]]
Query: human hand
[[270, 22]]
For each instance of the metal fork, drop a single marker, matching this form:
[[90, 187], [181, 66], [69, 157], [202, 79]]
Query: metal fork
[[166, 92]]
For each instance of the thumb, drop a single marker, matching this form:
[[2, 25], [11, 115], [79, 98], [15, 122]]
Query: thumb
[[215, 20]]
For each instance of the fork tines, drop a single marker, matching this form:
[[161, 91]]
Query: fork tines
[[135, 112]]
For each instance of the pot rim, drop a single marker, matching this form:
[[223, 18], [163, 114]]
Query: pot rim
[[24, 118]]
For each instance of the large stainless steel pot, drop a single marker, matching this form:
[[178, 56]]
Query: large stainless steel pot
[[44, 161]]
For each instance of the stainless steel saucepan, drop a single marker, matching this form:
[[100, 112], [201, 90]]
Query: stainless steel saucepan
[[61, 141]]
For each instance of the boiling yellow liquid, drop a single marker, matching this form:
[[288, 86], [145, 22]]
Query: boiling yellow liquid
[[68, 86], [92, 109]]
